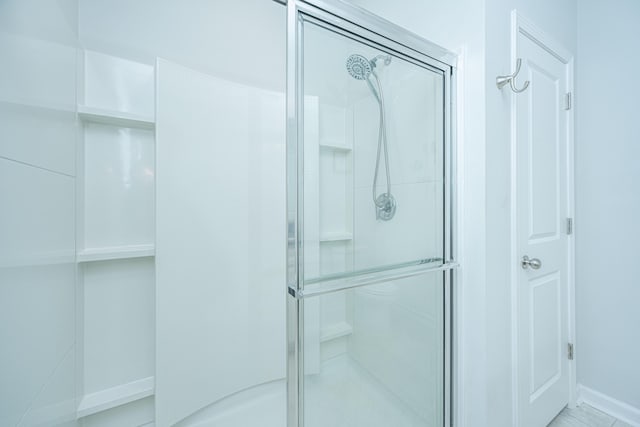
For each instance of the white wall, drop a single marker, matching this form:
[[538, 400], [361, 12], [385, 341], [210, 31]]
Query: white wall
[[607, 199]]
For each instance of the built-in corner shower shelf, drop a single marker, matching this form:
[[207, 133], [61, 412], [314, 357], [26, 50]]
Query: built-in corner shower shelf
[[336, 330], [335, 147], [334, 236], [115, 118], [116, 252], [103, 400]]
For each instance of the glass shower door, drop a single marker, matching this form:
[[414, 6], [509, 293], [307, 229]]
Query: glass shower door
[[370, 259]]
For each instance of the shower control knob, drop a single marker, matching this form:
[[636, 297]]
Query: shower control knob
[[534, 263]]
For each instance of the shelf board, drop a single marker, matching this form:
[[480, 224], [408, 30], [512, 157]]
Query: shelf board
[[335, 147], [39, 106], [37, 259], [116, 252], [334, 331], [335, 236], [116, 118], [115, 396]]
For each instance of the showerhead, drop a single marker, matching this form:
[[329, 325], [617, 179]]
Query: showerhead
[[358, 66]]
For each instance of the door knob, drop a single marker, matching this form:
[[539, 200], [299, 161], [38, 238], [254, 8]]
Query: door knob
[[534, 263]]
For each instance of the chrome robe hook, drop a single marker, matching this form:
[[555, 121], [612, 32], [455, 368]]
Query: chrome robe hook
[[501, 81]]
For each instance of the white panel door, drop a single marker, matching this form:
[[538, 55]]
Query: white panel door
[[541, 134]]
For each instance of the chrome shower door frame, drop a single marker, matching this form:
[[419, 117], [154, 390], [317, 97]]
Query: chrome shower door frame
[[356, 23]]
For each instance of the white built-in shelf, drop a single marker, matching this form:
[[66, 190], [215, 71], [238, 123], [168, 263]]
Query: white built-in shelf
[[336, 330], [37, 106], [335, 236], [116, 252], [37, 258], [115, 118], [330, 146], [115, 396]]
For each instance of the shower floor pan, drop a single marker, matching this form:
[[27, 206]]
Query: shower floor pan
[[342, 395]]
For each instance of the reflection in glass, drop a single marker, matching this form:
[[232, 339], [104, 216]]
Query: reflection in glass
[[373, 159], [373, 183], [379, 358]]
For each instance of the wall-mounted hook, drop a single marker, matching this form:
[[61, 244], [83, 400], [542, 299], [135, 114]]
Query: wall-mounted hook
[[501, 81]]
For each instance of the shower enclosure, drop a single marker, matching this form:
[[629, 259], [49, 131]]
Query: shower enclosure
[[208, 220], [370, 260]]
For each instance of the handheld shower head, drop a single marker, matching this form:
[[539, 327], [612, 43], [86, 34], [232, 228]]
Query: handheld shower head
[[358, 66], [361, 68]]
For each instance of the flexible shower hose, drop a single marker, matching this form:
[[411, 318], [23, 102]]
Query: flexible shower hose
[[382, 142]]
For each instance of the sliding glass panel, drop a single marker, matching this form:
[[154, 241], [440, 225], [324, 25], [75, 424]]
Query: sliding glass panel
[[373, 158], [376, 356]]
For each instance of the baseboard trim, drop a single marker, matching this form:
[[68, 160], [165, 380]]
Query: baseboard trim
[[615, 408]]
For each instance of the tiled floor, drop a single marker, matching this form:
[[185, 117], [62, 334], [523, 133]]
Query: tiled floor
[[585, 416]]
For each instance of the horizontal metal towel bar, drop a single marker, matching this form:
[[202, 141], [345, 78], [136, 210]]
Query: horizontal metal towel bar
[[336, 285]]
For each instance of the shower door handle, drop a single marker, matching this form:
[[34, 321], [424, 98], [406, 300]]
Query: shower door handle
[[534, 263]]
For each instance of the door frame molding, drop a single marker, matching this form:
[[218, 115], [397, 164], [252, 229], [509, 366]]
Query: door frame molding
[[521, 25]]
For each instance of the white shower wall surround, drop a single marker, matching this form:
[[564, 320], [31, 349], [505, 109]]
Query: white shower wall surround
[[37, 192], [79, 169], [219, 282], [142, 261], [194, 111]]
